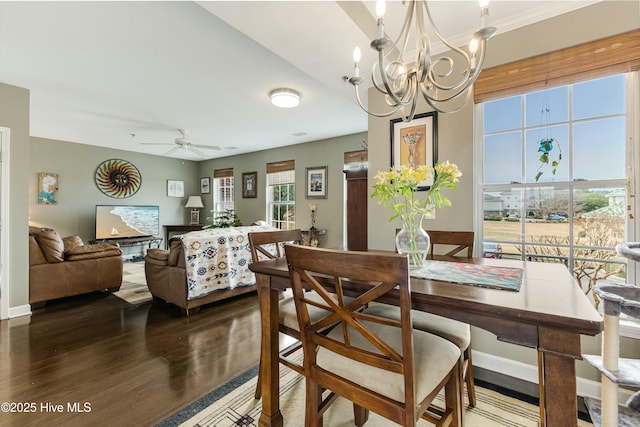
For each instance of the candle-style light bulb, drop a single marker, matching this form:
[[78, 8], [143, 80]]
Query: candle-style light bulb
[[473, 48], [381, 8], [356, 60]]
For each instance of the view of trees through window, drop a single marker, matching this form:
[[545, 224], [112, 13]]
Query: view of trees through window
[[281, 189], [554, 178]]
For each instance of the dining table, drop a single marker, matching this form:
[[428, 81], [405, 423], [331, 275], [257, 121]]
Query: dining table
[[548, 312]]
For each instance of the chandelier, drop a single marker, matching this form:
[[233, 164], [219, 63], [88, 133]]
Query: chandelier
[[445, 84]]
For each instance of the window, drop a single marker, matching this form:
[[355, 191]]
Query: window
[[576, 211], [223, 188], [281, 195]]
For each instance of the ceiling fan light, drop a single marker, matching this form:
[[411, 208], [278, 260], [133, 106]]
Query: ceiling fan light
[[284, 98]]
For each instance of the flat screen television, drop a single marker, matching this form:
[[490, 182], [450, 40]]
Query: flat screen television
[[126, 221]]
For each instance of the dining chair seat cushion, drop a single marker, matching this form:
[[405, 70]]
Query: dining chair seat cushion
[[434, 357], [457, 332], [287, 308]]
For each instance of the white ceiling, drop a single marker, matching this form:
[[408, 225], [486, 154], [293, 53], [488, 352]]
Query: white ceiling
[[99, 72]]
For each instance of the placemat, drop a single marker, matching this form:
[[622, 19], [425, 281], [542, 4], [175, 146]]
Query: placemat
[[488, 276]]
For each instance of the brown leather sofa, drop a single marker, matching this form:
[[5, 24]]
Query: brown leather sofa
[[167, 279], [64, 267]]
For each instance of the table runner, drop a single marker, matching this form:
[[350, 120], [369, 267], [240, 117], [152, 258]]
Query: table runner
[[488, 276]]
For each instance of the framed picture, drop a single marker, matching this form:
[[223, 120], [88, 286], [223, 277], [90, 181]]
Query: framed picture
[[205, 185], [316, 182], [249, 184], [47, 188], [175, 188], [415, 143]]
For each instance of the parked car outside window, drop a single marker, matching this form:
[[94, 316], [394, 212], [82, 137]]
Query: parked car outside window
[[491, 250]]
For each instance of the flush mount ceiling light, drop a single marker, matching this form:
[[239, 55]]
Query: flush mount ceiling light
[[445, 82], [284, 98]]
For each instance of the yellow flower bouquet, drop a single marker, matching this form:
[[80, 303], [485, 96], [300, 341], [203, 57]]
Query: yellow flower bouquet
[[397, 189]]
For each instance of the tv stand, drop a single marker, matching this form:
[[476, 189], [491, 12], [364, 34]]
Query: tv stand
[[133, 241]]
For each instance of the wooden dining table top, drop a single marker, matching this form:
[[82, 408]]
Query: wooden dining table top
[[548, 296]]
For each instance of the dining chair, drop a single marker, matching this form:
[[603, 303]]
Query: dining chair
[[380, 364], [457, 332], [268, 245]]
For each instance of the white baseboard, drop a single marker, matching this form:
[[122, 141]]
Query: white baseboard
[[529, 373], [21, 310]]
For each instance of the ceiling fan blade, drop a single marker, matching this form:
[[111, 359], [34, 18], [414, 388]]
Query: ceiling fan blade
[[173, 150], [198, 152], [156, 143], [207, 147]]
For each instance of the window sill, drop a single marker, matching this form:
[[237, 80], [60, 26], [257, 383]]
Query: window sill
[[630, 329]]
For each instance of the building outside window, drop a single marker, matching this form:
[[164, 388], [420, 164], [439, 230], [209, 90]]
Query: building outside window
[[281, 195], [553, 184], [223, 190]]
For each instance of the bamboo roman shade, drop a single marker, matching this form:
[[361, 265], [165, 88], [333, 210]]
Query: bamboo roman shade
[[223, 173], [600, 58], [355, 157], [287, 165]]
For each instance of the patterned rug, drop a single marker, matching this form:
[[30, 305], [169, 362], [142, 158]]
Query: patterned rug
[[233, 405], [134, 284]]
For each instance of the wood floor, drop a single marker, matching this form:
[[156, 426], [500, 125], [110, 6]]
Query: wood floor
[[133, 366]]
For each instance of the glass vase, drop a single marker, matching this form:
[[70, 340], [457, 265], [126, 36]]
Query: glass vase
[[412, 239]]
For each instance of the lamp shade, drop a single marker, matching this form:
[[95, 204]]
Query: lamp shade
[[194, 202]]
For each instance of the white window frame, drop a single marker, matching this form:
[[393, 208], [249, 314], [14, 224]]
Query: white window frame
[[632, 87], [218, 185], [271, 203]]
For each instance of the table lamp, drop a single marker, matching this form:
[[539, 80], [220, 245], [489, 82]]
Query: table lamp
[[194, 202]]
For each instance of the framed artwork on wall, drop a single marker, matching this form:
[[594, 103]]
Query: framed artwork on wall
[[316, 182], [47, 188], [205, 185], [249, 185], [118, 178], [175, 188], [415, 143]]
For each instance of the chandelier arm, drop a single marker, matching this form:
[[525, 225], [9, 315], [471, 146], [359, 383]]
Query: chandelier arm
[[371, 113], [432, 103], [390, 93], [441, 37], [463, 84]]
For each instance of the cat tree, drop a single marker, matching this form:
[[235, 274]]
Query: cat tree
[[616, 371]]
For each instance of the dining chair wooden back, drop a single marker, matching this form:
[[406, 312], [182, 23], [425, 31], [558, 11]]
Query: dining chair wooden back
[[269, 245], [380, 364], [462, 240], [457, 332]]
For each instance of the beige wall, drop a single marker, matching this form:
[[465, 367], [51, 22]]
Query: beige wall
[[455, 135], [14, 114], [328, 152], [78, 195]]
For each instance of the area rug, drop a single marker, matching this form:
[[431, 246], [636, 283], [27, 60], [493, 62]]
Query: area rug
[[234, 405], [134, 284]]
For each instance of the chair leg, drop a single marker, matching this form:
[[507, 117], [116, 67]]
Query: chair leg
[[360, 415], [453, 391], [312, 403], [468, 377], [258, 393]]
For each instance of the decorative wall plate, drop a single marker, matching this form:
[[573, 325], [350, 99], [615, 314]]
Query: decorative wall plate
[[118, 178]]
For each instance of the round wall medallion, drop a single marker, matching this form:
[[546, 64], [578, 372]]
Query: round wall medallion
[[118, 178]]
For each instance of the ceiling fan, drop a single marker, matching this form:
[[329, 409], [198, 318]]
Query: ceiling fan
[[184, 142]]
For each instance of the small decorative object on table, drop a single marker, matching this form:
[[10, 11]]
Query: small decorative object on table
[[397, 189]]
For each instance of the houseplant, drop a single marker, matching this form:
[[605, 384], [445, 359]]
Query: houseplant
[[397, 189], [223, 219]]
